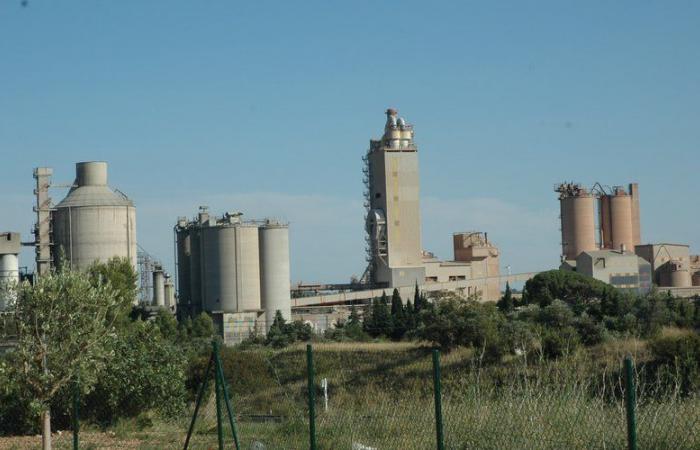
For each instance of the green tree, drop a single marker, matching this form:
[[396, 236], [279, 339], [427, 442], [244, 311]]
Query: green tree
[[64, 324], [378, 323], [145, 372], [398, 316], [203, 326], [166, 323], [277, 335], [505, 304], [121, 276]]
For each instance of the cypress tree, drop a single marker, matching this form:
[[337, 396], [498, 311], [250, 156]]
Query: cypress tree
[[398, 316], [506, 304]]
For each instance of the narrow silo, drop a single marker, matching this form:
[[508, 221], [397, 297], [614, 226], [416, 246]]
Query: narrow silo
[[230, 266], [621, 220], [184, 252], [274, 271], [169, 290], [158, 287], [94, 222]]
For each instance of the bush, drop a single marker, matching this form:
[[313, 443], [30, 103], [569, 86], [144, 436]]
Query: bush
[[680, 351], [558, 343], [145, 372]]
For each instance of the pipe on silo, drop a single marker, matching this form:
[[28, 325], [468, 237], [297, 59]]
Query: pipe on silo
[[275, 272]]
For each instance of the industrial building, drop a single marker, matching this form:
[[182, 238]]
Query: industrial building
[[611, 250], [620, 268], [395, 255], [236, 270]]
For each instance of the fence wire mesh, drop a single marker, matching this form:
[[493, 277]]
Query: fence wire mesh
[[381, 396]]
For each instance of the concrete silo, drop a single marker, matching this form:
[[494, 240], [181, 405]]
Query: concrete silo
[[183, 252], [577, 220], [169, 290], [94, 222], [9, 265], [158, 286], [230, 261], [274, 271]]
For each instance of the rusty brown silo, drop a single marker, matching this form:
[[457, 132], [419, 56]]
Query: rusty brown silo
[[621, 220], [577, 220]]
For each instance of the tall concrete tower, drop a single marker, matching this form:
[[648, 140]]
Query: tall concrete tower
[[393, 213]]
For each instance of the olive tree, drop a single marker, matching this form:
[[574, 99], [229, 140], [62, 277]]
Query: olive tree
[[63, 323]]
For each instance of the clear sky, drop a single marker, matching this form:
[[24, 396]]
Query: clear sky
[[267, 107]]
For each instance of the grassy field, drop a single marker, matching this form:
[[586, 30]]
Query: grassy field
[[381, 396]]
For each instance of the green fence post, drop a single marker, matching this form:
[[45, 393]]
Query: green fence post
[[630, 400], [439, 434], [76, 412], [217, 385], [227, 401], [199, 400], [312, 396]]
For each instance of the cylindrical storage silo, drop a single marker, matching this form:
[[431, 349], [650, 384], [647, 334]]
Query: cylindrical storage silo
[[578, 223], [169, 293], [565, 217], [605, 224], [158, 288], [182, 237], [9, 276], [94, 223], [230, 267], [621, 221], [676, 274], [195, 266], [274, 271]]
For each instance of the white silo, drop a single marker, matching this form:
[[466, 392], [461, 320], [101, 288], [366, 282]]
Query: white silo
[[94, 222], [9, 265], [274, 271]]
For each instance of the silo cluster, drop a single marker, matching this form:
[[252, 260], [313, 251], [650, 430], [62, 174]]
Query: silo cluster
[[229, 265], [93, 222], [618, 219]]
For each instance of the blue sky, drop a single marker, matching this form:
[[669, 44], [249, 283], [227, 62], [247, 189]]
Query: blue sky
[[267, 107]]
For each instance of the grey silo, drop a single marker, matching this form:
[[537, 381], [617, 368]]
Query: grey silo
[[184, 251], [93, 222], [231, 266], [158, 287], [274, 271]]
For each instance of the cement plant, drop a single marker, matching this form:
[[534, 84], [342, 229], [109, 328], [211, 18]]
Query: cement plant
[[237, 269]]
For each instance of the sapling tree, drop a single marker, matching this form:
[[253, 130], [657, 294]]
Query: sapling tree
[[63, 323]]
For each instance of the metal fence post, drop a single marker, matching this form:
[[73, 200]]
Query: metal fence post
[[217, 386], [76, 412], [227, 401], [630, 401], [439, 434], [202, 388], [312, 396]]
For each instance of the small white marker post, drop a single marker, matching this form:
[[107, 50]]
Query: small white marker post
[[324, 385]]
